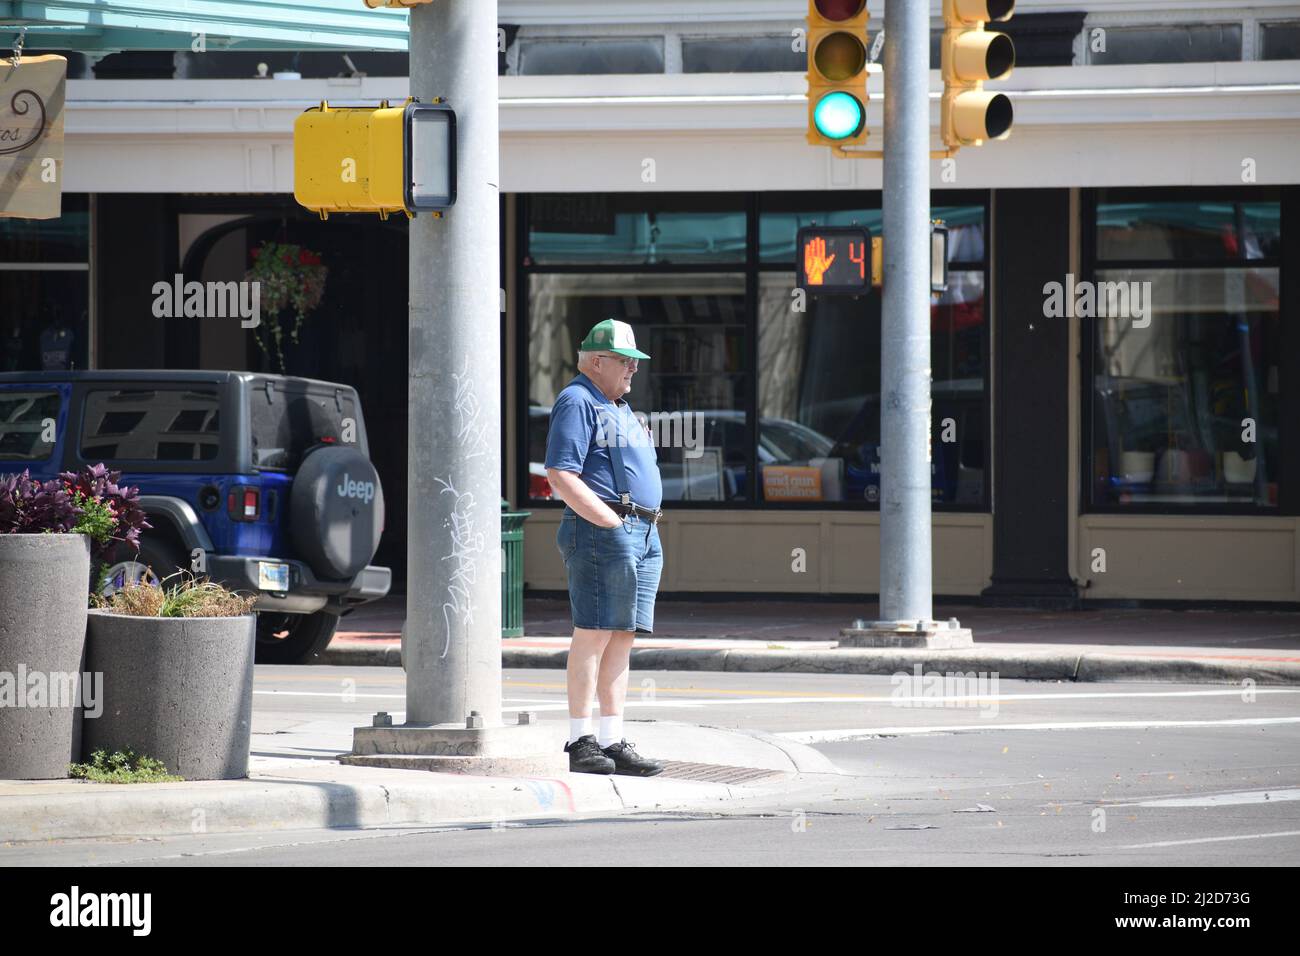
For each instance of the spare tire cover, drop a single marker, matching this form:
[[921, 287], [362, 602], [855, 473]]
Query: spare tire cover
[[336, 511]]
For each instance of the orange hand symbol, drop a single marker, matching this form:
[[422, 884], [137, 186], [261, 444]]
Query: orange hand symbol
[[815, 262]]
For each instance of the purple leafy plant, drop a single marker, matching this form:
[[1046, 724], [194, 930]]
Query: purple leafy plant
[[28, 506], [89, 501], [96, 489]]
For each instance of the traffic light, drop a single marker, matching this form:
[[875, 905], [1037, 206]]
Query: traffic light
[[970, 55], [372, 4], [837, 72], [383, 160]]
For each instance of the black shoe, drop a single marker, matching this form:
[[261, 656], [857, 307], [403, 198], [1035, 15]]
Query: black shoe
[[585, 756], [630, 763]]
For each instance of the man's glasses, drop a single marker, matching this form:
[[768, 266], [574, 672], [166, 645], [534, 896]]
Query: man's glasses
[[622, 360]]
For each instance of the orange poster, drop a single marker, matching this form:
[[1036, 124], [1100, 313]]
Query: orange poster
[[792, 483]]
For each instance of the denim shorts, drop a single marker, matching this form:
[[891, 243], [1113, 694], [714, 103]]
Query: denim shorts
[[613, 572]]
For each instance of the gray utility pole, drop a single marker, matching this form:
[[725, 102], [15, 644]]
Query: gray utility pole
[[906, 596], [905, 560], [452, 640], [451, 644]]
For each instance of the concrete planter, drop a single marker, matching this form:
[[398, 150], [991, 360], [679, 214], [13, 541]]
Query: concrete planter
[[178, 689], [44, 585]]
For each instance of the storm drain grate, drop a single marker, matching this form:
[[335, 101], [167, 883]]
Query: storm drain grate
[[715, 772]]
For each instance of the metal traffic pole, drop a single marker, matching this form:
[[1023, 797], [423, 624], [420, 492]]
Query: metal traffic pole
[[905, 559]]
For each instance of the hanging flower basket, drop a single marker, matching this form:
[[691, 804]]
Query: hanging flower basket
[[292, 281]]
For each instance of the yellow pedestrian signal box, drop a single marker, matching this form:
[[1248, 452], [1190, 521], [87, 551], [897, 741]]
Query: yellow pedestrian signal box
[[837, 72], [969, 115], [383, 159]]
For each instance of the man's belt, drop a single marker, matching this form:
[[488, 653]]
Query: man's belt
[[653, 515]]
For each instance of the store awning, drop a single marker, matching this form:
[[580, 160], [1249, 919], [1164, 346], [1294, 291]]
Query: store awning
[[111, 26]]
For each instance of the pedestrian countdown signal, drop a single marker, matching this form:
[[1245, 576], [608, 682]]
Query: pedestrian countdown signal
[[834, 260]]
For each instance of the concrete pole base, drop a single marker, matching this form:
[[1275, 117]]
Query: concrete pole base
[[526, 749], [547, 765], [928, 634]]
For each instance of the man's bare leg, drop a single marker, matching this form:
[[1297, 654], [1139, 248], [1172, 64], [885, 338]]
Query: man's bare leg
[[584, 664], [611, 687], [611, 683]]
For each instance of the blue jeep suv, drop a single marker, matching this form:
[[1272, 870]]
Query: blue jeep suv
[[262, 482]]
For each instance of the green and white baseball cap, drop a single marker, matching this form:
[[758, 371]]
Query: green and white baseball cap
[[612, 336]]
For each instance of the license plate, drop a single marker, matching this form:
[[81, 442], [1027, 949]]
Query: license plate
[[272, 577]]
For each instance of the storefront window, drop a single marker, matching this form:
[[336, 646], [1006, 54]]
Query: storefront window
[[819, 369], [693, 391], [800, 426], [819, 383], [1186, 358], [44, 285], [636, 230], [1212, 231]]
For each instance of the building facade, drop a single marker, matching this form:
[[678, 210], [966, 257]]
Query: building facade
[[1116, 359]]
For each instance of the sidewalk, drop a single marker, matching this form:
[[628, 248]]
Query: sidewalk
[[295, 783], [793, 636]]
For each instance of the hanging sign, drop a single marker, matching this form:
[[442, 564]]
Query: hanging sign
[[31, 136]]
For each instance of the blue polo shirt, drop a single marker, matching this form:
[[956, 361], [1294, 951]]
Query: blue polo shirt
[[583, 423]]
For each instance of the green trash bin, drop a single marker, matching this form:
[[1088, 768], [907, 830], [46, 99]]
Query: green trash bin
[[512, 570]]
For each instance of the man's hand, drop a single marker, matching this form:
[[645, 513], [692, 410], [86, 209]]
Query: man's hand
[[815, 262], [573, 491]]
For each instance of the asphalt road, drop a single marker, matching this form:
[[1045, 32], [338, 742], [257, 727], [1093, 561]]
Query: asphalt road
[[1022, 774]]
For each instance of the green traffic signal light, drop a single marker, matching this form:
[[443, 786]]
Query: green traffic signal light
[[839, 115]]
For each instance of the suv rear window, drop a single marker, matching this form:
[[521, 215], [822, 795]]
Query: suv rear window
[[151, 424], [287, 421], [23, 429]]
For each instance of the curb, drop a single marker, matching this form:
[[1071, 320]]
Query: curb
[[1045, 665], [268, 804]]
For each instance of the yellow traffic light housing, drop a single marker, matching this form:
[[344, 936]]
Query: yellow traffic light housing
[[837, 72], [377, 160], [969, 114]]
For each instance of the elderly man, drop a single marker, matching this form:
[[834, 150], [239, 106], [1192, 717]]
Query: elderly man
[[601, 463]]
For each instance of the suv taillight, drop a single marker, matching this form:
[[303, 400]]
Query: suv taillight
[[244, 503]]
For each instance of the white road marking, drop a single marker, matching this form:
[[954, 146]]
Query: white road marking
[[939, 701], [338, 694], [548, 708], [1222, 839], [1220, 799], [824, 736]]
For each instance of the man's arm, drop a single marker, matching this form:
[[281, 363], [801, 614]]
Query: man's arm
[[575, 493]]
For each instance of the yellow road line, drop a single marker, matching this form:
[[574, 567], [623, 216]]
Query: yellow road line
[[560, 685]]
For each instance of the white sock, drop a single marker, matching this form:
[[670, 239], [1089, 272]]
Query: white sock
[[611, 730], [579, 727]]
